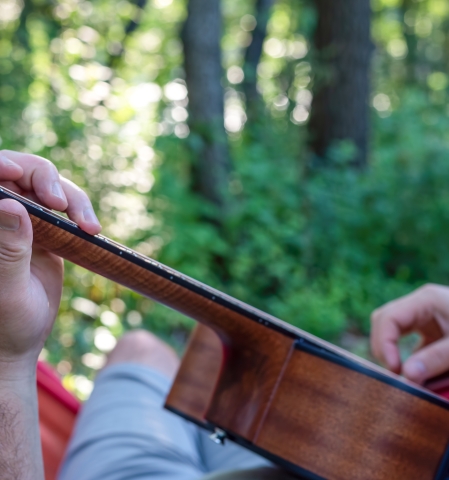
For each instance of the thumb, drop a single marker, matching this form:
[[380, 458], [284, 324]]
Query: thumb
[[428, 362], [16, 238]]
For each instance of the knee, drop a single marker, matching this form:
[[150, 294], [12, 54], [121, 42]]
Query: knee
[[142, 347], [140, 340]]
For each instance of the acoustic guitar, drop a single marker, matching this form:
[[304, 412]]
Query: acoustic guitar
[[310, 407]]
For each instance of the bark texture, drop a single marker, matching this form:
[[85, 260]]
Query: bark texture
[[253, 54], [341, 92], [201, 37], [411, 60]]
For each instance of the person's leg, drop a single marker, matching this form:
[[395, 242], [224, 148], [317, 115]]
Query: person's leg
[[122, 431]]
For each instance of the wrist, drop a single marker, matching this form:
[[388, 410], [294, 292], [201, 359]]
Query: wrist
[[23, 387], [18, 372]]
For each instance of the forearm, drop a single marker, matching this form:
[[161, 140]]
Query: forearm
[[20, 448]]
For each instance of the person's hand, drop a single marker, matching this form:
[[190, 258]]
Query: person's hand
[[425, 311], [31, 278], [30, 292]]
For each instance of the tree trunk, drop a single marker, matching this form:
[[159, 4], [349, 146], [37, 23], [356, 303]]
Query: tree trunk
[[445, 59], [341, 92], [201, 37], [252, 57], [411, 60]]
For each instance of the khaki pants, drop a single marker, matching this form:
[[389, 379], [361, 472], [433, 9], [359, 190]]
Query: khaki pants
[[123, 433]]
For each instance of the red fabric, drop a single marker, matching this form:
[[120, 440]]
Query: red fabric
[[440, 385], [443, 392], [57, 413], [50, 382]]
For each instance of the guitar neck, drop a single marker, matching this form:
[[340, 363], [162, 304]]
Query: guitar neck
[[228, 316], [97, 253]]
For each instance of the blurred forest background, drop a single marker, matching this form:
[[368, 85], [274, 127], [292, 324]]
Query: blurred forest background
[[293, 153]]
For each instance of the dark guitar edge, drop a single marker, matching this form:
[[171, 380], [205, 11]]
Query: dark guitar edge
[[441, 474], [334, 354], [291, 467], [443, 469]]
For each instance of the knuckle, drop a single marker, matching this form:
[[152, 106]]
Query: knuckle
[[374, 315], [433, 293], [49, 166], [84, 196], [11, 252], [39, 162], [439, 358], [428, 289], [5, 151]]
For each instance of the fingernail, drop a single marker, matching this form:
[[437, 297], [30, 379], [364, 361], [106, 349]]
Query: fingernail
[[57, 191], [9, 221], [7, 161], [90, 216], [415, 370]]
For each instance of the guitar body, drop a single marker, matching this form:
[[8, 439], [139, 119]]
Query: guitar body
[[307, 405], [327, 418]]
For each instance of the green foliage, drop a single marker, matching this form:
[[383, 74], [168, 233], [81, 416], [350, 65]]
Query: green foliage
[[323, 251]]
